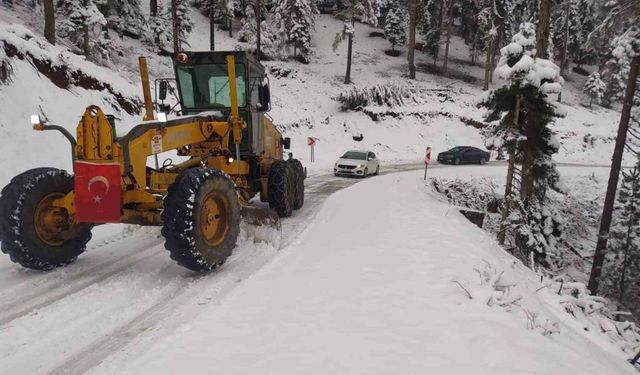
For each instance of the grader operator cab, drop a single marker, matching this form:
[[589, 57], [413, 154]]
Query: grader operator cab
[[230, 148]]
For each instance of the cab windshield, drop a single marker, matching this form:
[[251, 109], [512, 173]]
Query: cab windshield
[[207, 86], [355, 155]]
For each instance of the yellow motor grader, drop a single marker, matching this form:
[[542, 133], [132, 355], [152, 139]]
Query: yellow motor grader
[[229, 150]]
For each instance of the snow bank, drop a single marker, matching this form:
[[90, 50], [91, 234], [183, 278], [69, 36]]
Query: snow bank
[[377, 286]]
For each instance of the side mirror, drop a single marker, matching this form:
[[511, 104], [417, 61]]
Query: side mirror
[[369, 158], [164, 85], [264, 95], [286, 143]]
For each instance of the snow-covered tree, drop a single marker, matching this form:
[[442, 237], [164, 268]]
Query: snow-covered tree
[[429, 27], [80, 21], [594, 88], [616, 69], [294, 20], [395, 28], [366, 11], [160, 29], [182, 23], [621, 275], [123, 16], [521, 113]]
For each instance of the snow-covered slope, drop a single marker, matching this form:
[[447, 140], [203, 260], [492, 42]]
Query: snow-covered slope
[[376, 285], [303, 104]]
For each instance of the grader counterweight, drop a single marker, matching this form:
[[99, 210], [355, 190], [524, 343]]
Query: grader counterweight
[[230, 148]]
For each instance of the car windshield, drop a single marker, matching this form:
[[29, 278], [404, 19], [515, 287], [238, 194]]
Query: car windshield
[[354, 155], [456, 149]]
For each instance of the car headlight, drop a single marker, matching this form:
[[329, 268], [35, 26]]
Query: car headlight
[[360, 165]]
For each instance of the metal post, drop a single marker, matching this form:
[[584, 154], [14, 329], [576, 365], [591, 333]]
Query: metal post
[[426, 165]]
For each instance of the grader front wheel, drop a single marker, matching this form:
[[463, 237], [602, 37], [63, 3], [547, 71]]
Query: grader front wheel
[[201, 219], [33, 232]]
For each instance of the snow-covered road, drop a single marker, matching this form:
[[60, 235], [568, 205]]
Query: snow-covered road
[[70, 319]]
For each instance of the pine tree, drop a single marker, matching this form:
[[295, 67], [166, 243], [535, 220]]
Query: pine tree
[[395, 25], [621, 276], [367, 11], [624, 16], [160, 28], [124, 16], [594, 88], [429, 27], [522, 114], [81, 22], [294, 20], [617, 68]]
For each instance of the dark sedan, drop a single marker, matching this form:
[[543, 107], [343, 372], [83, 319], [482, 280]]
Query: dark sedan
[[464, 154]]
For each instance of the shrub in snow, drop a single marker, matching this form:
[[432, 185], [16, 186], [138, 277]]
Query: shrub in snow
[[476, 194], [395, 25], [621, 273], [389, 94], [184, 21], [594, 88]]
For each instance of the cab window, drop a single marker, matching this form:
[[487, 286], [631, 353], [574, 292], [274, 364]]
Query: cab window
[[207, 86]]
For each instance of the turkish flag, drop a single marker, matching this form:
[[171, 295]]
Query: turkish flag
[[97, 192]]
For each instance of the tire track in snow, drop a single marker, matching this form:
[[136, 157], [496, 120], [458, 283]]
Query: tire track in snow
[[62, 288]]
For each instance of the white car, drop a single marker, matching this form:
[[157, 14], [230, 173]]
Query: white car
[[357, 163]]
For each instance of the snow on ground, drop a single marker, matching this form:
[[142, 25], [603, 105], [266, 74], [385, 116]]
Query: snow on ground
[[369, 288]]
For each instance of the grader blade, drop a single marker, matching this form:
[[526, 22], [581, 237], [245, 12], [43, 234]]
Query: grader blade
[[260, 216]]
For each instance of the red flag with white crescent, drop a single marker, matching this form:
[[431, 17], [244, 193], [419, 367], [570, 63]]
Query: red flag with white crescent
[[97, 192]]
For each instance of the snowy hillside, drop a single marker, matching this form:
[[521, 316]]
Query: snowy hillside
[[303, 102]]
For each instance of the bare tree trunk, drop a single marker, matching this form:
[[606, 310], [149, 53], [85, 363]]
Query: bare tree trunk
[[612, 186], [153, 7], [542, 37], [488, 63], [449, 24], [86, 47], [49, 22], [508, 190], [347, 76], [258, 29], [413, 19], [565, 47], [474, 48], [212, 26], [176, 25], [496, 46]]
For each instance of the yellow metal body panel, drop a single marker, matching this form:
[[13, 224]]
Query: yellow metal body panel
[[95, 136]]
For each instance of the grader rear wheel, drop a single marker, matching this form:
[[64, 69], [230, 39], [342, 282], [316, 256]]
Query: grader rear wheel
[[201, 219], [298, 192], [281, 188], [33, 232]]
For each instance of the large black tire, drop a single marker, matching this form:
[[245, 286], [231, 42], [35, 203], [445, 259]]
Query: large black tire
[[201, 219], [457, 161], [281, 194], [25, 238], [298, 192]]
